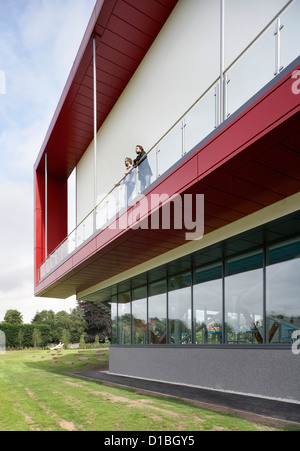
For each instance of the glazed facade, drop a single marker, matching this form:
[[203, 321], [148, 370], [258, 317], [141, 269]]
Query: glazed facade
[[221, 121], [250, 298]]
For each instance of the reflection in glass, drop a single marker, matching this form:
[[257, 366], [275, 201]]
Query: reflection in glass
[[124, 318], [207, 305], [252, 71], [114, 319], [139, 315], [200, 120], [283, 292], [157, 313], [180, 315], [170, 149], [152, 160], [290, 45], [183, 312], [244, 299]]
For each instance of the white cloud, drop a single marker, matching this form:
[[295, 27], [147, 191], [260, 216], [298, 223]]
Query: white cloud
[[39, 40]]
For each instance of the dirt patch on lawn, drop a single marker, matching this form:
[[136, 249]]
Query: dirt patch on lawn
[[91, 367], [69, 426]]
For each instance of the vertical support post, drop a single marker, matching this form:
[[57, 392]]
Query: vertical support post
[[131, 319], [193, 331], [265, 339], [46, 207], [277, 34], [217, 105], [222, 58], [183, 125], [157, 162], [118, 332], [168, 331], [95, 131], [76, 220], [148, 336], [224, 323], [225, 97]]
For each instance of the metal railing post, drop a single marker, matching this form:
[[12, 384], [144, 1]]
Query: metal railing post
[[217, 105], [95, 130], [222, 58], [277, 34], [183, 126], [157, 162]]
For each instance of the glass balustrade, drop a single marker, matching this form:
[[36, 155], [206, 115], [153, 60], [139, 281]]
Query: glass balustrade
[[170, 149], [290, 42], [276, 47], [153, 162], [200, 120], [251, 72]]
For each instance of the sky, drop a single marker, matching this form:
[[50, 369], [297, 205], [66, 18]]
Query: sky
[[39, 40]]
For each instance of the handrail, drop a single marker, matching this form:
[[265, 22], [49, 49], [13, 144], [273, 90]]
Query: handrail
[[152, 149], [258, 36], [123, 178]]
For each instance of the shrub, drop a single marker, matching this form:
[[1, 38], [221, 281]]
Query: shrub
[[82, 342], [21, 335]]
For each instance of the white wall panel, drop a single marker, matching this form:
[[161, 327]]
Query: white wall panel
[[85, 184], [181, 64], [244, 20]]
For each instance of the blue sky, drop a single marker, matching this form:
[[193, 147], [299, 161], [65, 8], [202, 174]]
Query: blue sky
[[39, 40]]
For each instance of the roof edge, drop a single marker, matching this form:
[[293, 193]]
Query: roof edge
[[82, 49]]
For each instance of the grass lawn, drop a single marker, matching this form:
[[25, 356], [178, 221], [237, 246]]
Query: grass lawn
[[39, 395]]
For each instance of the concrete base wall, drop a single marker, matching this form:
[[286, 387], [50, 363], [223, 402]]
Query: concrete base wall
[[262, 372]]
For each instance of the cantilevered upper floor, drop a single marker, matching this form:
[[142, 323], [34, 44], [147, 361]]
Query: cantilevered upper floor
[[235, 139]]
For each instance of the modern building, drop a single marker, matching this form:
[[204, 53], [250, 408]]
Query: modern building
[[199, 262]]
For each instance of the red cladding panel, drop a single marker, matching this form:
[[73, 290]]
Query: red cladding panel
[[39, 219], [57, 212], [57, 216]]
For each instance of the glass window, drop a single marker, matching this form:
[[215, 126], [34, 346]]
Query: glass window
[[157, 306], [114, 318], [124, 318], [180, 312], [283, 292], [139, 315], [244, 299], [180, 309], [207, 305]]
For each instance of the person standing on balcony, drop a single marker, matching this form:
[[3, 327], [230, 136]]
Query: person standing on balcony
[[144, 169], [129, 180]]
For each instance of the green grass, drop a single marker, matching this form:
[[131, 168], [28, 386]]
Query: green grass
[[36, 395]]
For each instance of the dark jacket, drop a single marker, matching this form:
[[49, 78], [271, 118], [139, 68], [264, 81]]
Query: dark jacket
[[142, 162]]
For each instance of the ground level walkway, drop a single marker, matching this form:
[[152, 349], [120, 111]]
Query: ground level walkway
[[251, 407]]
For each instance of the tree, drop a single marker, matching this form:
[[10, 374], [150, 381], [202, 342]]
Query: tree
[[45, 316], [82, 342], [96, 343], [13, 317], [20, 338], [65, 338], [98, 320], [72, 322], [36, 337], [77, 322]]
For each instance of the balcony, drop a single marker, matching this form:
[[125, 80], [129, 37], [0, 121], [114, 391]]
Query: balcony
[[228, 146]]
